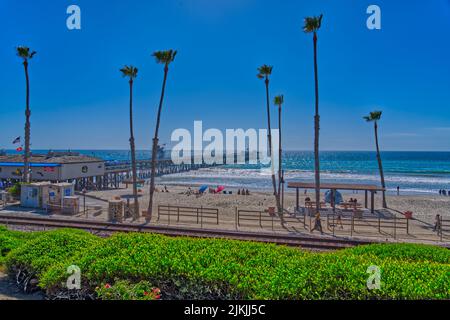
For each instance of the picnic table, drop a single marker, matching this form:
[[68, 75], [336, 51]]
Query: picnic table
[[352, 205], [312, 204]]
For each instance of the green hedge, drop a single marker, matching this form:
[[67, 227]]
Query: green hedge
[[124, 266], [232, 269], [49, 248], [409, 252], [10, 240]]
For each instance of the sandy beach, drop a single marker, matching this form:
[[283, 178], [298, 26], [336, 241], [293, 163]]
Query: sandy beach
[[424, 207]]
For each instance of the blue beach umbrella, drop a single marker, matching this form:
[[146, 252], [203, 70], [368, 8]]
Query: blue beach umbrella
[[203, 188]]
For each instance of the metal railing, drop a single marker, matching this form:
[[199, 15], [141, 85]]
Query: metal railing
[[258, 216], [393, 224], [197, 215], [444, 228]]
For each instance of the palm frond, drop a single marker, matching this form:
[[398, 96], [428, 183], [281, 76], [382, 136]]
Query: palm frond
[[24, 52], [278, 100], [165, 57], [129, 71], [312, 24], [264, 71], [373, 116]]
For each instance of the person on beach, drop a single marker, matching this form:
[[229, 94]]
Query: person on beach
[[437, 224], [317, 223], [398, 190], [247, 193]]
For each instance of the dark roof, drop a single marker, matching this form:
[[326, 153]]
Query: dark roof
[[336, 186], [41, 158]]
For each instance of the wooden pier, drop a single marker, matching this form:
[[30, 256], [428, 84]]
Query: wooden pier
[[118, 171]]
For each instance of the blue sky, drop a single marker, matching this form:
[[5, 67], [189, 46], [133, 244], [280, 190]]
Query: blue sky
[[80, 100]]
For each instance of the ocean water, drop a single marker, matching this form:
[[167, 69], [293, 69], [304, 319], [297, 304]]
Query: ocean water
[[413, 172]]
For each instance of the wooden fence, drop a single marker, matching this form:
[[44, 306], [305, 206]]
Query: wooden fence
[[254, 216], [444, 229], [197, 215], [393, 225], [264, 219]]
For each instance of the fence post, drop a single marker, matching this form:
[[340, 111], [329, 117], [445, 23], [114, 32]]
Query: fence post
[[310, 229], [169, 214], [178, 214], [272, 223], [379, 223], [353, 224], [236, 218], [217, 216], [304, 219], [407, 226], [201, 217], [440, 228], [159, 208], [197, 214], [260, 218], [334, 222], [395, 227]]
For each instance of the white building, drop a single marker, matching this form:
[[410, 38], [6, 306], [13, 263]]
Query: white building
[[53, 166]]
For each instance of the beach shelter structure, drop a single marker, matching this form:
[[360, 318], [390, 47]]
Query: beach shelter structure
[[333, 187]]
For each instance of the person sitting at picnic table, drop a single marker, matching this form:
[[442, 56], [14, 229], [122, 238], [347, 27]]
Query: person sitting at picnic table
[[317, 223]]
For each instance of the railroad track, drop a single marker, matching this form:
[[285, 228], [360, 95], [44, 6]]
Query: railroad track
[[93, 226]]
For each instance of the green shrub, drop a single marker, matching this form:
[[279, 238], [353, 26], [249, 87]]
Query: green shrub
[[10, 240], [124, 290], [15, 190], [403, 252], [48, 248], [213, 268]]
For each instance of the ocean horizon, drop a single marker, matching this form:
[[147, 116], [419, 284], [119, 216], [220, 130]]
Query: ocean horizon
[[415, 172]]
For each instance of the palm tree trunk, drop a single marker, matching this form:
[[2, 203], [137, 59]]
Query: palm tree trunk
[[26, 166], [133, 157], [380, 165], [316, 129], [279, 151], [269, 136], [155, 148]]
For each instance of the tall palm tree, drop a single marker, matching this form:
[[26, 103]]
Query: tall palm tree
[[263, 73], [26, 54], [278, 101], [131, 73], [165, 58], [374, 117], [312, 25]]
